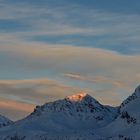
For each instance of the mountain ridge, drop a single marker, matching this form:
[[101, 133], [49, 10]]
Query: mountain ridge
[[79, 116], [4, 121]]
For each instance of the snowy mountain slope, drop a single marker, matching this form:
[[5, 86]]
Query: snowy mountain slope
[[131, 104], [4, 121], [127, 124], [76, 114], [80, 107]]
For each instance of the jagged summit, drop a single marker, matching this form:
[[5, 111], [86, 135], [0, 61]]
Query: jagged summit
[[77, 97], [82, 98], [81, 101], [66, 104], [135, 95]]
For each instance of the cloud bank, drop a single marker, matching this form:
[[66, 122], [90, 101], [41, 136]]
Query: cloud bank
[[65, 70]]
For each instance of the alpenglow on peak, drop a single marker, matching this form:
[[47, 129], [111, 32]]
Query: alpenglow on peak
[[77, 97]]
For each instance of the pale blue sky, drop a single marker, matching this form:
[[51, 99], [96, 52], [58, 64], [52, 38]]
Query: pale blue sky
[[112, 25]]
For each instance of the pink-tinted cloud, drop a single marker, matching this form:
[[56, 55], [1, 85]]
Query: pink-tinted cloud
[[108, 76], [15, 110]]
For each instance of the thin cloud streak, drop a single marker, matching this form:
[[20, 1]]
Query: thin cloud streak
[[93, 68], [15, 110], [34, 91], [49, 21]]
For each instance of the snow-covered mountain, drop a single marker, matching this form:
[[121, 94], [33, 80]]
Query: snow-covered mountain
[[127, 124], [76, 114], [4, 121], [79, 117]]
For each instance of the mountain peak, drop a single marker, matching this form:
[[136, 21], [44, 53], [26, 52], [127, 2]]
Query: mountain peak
[[77, 97], [132, 98]]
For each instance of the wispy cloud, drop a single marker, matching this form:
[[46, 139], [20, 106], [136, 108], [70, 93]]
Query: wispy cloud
[[93, 68], [72, 25], [96, 80], [34, 91], [15, 110]]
